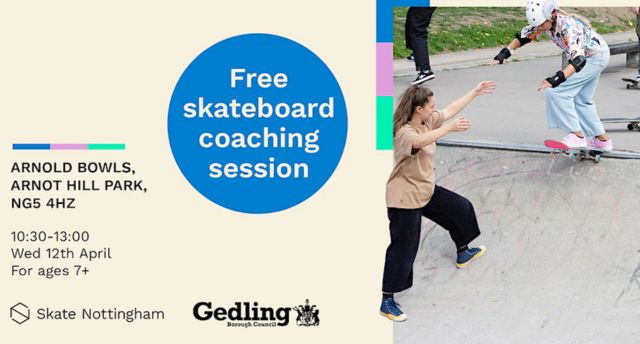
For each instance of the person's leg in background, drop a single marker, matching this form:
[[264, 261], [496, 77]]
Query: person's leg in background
[[418, 20], [638, 33], [407, 36]]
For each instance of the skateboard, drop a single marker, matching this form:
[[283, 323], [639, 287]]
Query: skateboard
[[632, 123], [573, 153], [632, 83]]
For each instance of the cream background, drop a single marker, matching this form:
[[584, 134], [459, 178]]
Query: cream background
[[75, 72]]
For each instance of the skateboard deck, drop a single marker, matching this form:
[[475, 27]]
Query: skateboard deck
[[632, 123], [573, 153], [632, 83]]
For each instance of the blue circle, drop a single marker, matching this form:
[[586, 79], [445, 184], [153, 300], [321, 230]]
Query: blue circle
[[250, 163]]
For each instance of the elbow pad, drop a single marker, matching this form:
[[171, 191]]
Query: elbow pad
[[578, 63], [522, 40]]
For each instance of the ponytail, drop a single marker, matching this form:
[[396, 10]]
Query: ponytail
[[412, 97]]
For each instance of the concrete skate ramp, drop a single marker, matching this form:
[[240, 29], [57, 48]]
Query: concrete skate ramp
[[563, 254]]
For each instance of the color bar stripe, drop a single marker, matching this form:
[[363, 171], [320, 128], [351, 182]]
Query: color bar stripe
[[69, 146], [384, 16], [384, 122], [384, 21], [106, 146], [31, 146], [384, 69]]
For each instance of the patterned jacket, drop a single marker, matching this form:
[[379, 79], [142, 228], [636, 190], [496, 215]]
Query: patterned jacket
[[571, 35]]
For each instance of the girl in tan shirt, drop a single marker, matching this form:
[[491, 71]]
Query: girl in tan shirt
[[412, 193]]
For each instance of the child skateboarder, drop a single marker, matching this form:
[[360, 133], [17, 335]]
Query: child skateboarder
[[569, 93]]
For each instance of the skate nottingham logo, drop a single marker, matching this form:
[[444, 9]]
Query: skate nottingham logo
[[252, 314]]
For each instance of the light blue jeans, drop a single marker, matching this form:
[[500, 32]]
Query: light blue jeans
[[570, 106]]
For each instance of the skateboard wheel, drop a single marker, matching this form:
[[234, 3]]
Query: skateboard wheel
[[630, 126], [572, 155], [628, 87], [596, 159]]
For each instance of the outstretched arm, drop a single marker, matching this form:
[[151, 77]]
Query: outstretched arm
[[519, 41], [505, 53], [577, 61], [432, 136], [460, 124], [515, 44], [557, 79]]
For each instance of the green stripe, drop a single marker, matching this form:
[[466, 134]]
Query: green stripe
[[106, 146], [384, 122]]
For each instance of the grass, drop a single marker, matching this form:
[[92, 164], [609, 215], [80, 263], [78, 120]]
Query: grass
[[464, 28]]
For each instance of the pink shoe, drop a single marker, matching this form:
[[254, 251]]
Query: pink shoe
[[573, 141], [595, 144]]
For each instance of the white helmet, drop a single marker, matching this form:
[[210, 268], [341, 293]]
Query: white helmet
[[539, 11]]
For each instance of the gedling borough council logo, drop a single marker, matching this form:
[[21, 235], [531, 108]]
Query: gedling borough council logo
[[307, 315]]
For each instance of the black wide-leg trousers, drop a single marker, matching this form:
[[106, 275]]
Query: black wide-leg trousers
[[446, 208]]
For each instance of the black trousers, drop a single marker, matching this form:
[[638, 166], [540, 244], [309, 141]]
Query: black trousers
[[416, 34], [446, 208]]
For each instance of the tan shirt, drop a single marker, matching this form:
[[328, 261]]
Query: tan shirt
[[412, 180]]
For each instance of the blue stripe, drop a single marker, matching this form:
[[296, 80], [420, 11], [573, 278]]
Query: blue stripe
[[31, 146], [384, 17]]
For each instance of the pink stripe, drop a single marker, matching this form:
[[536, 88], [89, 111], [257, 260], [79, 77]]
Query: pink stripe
[[69, 146], [384, 69]]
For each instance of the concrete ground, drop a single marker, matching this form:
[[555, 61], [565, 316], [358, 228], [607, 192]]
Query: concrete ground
[[515, 113], [563, 254]]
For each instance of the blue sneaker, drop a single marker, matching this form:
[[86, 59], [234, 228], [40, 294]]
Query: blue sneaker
[[465, 257], [390, 310]]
